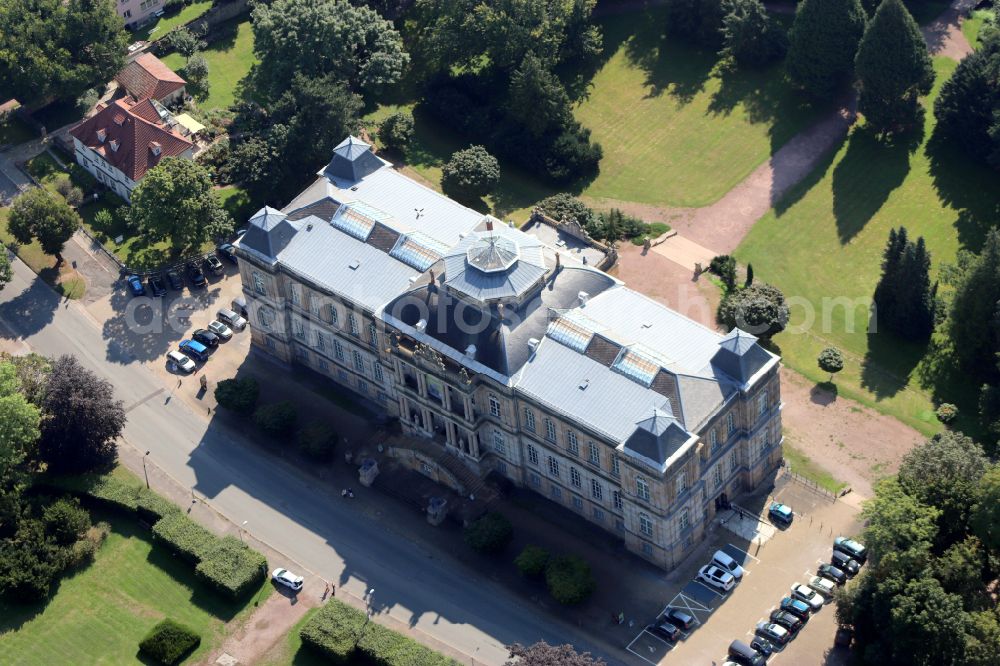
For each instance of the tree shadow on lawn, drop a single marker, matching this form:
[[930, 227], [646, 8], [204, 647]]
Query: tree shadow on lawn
[[969, 187], [671, 66], [804, 186], [871, 169], [888, 363], [941, 372]]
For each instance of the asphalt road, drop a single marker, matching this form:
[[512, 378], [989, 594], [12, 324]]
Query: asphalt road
[[287, 510]]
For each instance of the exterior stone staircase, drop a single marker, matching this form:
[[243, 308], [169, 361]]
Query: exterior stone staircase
[[471, 482]]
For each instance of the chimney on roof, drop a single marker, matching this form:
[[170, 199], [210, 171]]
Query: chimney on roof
[[470, 351], [421, 326], [533, 344], [557, 260], [432, 276], [156, 148], [584, 297], [489, 224]]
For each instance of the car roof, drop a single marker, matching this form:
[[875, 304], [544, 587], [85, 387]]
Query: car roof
[[723, 557], [174, 354], [194, 344]]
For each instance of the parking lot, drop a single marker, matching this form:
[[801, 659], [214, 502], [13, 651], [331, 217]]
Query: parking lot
[[771, 566]]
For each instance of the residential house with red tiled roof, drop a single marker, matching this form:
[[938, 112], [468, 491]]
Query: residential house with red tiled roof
[[124, 140], [147, 77]]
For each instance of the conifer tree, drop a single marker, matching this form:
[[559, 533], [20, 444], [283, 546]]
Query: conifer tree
[[822, 43], [974, 311], [893, 69], [904, 298]]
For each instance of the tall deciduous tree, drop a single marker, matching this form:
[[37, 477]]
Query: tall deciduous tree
[[974, 310], [55, 49], [500, 33], [822, 43], [470, 173], [749, 36], [81, 419], [319, 37], [543, 654], [968, 107], [18, 441], [985, 519], [759, 309], [40, 215], [893, 69], [175, 201], [900, 528], [696, 21], [928, 624]]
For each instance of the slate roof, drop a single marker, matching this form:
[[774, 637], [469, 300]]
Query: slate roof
[[270, 231], [352, 160], [657, 437], [147, 77], [501, 263], [130, 138]]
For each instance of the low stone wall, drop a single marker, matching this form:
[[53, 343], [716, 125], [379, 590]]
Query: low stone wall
[[205, 25]]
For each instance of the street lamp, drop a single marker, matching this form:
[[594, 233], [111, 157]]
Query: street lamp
[[144, 472], [243, 527]]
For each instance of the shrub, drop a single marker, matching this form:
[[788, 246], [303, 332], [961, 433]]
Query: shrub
[[316, 440], [29, 562], [83, 551], [569, 579], [152, 507], [947, 412], [65, 520], [106, 489], [239, 395], [396, 131], [232, 567], [724, 266], [69, 191], [103, 221], [760, 310], [532, 560], [489, 534], [380, 646], [186, 537], [564, 206], [333, 631], [276, 419], [169, 641], [470, 174]]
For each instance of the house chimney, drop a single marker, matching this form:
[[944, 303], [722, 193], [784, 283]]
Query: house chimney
[[533, 343], [557, 260], [489, 224], [432, 276], [156, 148], [470, 351], [584, 297]]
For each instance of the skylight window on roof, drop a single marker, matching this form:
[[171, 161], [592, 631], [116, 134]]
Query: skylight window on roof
[[418, 250], [640, 364], [574, 335], [357, 219]]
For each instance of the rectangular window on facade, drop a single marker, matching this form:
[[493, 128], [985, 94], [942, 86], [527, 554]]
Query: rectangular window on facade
[[314, 306], [642, 488], [594, 454], [502, 467], [264, 316], [494, 406], [598, 515], [359, 362], [334, 316], [338, 349], [324, 366], [296, 300], [571, 441], [574, 477], [732, 462], [645, 525], [258, 284], [762, 403], [730, 423], [718, 476], [529, 419], [320, 340], [373, 334], [556, 491], [535, 480], [681, 483], [352, 322], [616, 467], [532, 455], [620, 525], [343, 376], [647, 549], [498, 443], [379, 375], [550, 430], [577, 503], [685, 520], [596, 490], [553, 466], [617, 497], [713, 439], [299, 329], [269, 342], [362, 387]]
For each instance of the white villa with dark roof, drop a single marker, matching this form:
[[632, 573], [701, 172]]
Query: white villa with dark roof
[[512, 356]]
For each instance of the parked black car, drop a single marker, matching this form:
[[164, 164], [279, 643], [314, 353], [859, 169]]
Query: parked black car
[[206, 337], [196, 275], [787, 620], [845, 563], [833, 573], [214, 265], [227, 251], [764, 647], [155, 283], [174, 280], [679, 618], [665, 630]]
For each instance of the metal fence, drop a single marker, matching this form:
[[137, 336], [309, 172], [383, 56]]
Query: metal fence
[[808, 483]]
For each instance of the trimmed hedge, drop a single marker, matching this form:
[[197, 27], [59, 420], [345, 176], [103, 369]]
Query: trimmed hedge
[[333, 631], [532, 560], [232, 567], [106, 489], [152, 507], [489, 534], [341, 634], [186, 537], [169, 641]]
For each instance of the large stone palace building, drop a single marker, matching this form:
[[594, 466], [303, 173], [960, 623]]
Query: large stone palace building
[[511, 354]]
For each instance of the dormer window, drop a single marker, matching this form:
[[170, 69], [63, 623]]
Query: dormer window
[[114, 145], [102, 135], [156, 148]]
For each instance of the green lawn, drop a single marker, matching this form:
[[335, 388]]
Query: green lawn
[[229, 60], [824, 242], [676, 130], [290, 651], [13, 131], [99, 614], [158, 28], [973, 24], [803, 465]]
